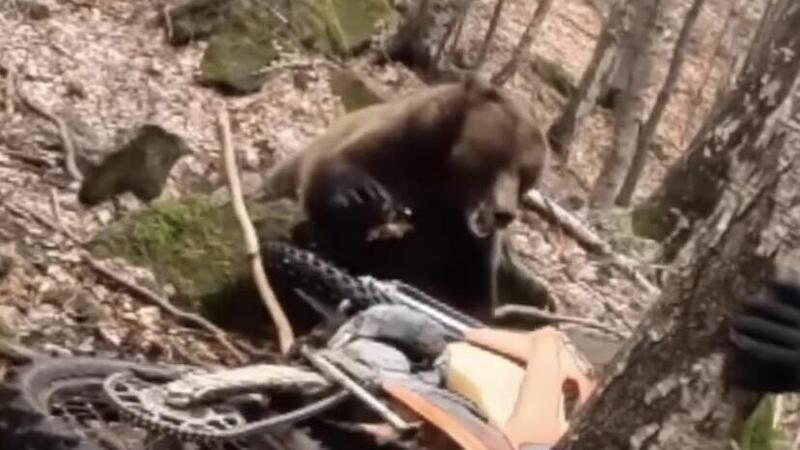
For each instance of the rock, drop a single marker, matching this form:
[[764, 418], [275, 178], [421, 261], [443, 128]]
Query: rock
[[554, 75], [416, 46], [197, 247], [353, 90], [650, 222], [340, 27], [141, 167], [196, 19], [34, 10], [252, 183], [239, 50], [616, 226]]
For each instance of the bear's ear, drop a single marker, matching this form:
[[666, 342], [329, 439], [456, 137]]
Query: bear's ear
[[479, 87]]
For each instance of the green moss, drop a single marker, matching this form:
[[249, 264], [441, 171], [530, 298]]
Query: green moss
[[194, 246], [338, 26], [616, 226], [240, 50], [355, 94], [759, 433], [651, 222], [555, 75]]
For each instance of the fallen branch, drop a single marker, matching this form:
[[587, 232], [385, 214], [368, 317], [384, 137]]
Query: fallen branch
[[56, 207], [18, 353], [10, 93], [506, 311], [63, 131], [282, 325], [37, 161], [166, 305], [586, 237], [140, 291], [27, 213]]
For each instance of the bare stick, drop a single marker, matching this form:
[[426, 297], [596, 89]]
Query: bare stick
[[586, 237], [487, 39], [27, 213], [63, 131], [329, 369], [282, 325], [166, 305], [17, 352], [10, 93], [460, 18], [168, 22], [33, 160], [56, 207], [275, 13], [524, 44], [505, 311]]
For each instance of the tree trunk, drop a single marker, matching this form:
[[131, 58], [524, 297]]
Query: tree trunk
[[649, 128], [487, 40], [666, 389], [562, 133], [524, 44], [696, 97], [694, 185], [421, 38], [641, 43]]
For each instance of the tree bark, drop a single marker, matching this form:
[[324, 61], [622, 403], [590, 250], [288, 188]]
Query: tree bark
[[422, 37], [524, 44], [641, 43], [649, 128], [563, 131], [666, 388], [694, 185], [487, 40], [696, 97]]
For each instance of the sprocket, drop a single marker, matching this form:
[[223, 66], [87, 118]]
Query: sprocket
[[148, 403]]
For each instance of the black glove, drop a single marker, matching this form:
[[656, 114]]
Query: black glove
[[766, 341]]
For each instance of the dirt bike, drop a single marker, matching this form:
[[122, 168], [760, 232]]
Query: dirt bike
[[83, 403]]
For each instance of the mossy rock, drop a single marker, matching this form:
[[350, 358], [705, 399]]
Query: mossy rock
[[240, 50], [338, 27], [193, 245], [616, 226], [651, 222], [196, 20], [555, 76], [352, 89]]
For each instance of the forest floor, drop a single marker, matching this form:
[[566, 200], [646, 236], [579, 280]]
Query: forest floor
[[104, 67]]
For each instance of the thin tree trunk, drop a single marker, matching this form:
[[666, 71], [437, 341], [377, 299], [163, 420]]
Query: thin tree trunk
[[487, 40], [561, 134], [696, 97], [666, 388], [692, 186], [642, 41], [524, 44], [649, 128]]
